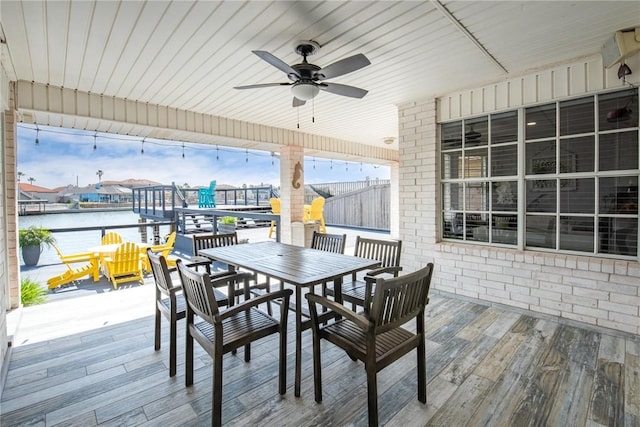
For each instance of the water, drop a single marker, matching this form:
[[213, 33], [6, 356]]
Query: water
[[80, 241]]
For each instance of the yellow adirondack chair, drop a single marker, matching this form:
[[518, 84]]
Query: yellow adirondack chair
[[125, 265], [110, 238], [164, 250], [72, 274], [315, 212], [275, 208]]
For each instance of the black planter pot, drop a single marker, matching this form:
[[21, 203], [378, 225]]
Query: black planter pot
[[31, 254]]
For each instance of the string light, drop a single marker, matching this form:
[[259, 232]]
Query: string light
[[37, 134], [170, 144], [246, 154], [346, 166]]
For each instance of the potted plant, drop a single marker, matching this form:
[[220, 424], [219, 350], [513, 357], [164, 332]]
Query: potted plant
[[227, 224], [31, 240]]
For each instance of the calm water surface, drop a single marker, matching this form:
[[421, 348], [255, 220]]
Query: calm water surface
[[80, 241]]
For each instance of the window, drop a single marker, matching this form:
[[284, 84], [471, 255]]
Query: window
[[579, 172], [479, 179]]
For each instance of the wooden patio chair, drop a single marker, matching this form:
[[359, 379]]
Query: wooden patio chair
[[171, 304], [229, 239], [377, 337], [275, 208], [222, 332], [125, 265], [386, 251], [111, 238], [329, 242]]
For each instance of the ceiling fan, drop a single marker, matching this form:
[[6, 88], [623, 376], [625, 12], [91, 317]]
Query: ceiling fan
[[307, 80]]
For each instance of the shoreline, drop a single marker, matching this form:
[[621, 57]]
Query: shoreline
[[58, 208]]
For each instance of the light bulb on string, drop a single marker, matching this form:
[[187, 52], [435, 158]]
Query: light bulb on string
[[95, 137], [346, 166], [360, 166], [217, 153], [246, 156], [331, 167], [183, 150], [142, 148], [37, 134], [314, 163], [272, 159]]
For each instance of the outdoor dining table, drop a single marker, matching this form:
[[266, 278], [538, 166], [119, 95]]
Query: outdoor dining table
[[298, 266]]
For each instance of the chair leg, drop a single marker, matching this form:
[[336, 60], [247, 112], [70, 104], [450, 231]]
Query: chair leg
[[282, 374], [188, 365], [372, 392], [422, 371], [317, 368], [157, 331], [216, 406], [173, 345]]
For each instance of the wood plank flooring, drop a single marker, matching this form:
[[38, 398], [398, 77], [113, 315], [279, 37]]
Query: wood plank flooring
[[90, 361]]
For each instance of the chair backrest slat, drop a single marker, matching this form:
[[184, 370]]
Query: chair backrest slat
[[198, 291], [110, 238], [127, 256], [329, 242], [397, 300], [160, 271], [208, 241], [386, 251]]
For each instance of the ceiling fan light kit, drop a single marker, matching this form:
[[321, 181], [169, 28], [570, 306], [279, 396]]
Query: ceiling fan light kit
[[304, 91], [307, 80]]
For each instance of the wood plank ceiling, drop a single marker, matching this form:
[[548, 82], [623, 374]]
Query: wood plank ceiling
[[190, 55]]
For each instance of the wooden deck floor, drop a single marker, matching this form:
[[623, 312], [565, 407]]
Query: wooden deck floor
[[90, 361]]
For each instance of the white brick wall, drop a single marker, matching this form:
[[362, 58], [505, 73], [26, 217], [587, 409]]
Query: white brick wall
[[591, 290]]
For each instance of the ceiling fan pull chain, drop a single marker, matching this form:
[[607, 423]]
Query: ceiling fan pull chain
[[313, 110], [298, 113]]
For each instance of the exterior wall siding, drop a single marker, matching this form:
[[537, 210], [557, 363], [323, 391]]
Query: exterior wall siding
[[591, 290]]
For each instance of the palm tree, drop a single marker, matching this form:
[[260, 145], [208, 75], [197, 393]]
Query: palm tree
[[20, 175], [99, 173], [30, 179]]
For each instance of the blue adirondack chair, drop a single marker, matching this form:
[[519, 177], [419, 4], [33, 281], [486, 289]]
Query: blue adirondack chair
[[207, 196]]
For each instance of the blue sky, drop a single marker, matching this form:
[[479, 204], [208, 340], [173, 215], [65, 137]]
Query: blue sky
[[66, 155]]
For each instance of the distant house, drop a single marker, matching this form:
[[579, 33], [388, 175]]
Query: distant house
[[96, 193], [35, 192]]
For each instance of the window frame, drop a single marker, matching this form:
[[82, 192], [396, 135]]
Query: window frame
[[568, 178]]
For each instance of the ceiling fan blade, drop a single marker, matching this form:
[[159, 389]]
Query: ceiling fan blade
[[343, 66], [344, 90], [297, 102], [262, 85], [278, 63]]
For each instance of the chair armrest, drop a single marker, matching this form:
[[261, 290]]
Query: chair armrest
[[337, 308], [254, 302], [391, 270]]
